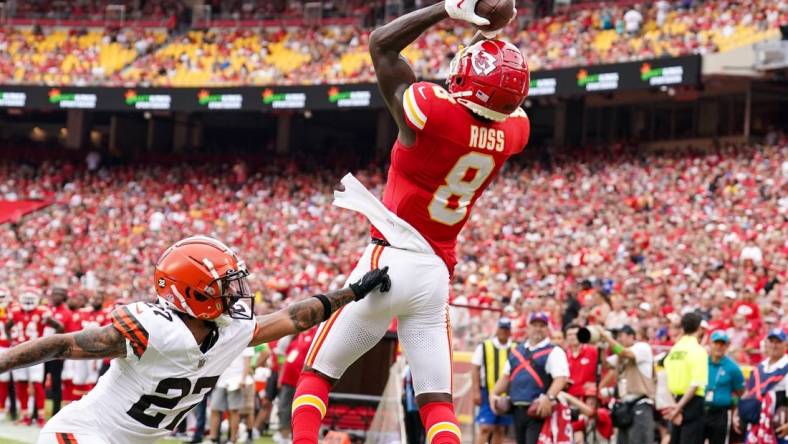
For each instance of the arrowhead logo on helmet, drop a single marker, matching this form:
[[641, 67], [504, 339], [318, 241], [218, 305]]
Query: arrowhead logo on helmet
[[490, 78], [483, 62]]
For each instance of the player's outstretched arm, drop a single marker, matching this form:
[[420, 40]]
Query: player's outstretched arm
[[311, 311], [393, 72], [92, 343]]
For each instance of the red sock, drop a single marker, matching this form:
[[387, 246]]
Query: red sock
[[309, 407], [440, 423], [22, 395], [39, 395], [3, 394]]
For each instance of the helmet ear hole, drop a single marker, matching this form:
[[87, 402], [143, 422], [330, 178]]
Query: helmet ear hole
[[458, 80], [197, 295]]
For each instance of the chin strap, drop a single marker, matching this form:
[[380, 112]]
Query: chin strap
[[482, 111]]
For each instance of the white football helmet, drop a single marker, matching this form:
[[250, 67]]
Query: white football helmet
[[29, 298]]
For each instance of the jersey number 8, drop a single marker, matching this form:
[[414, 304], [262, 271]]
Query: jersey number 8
[[450, 202]]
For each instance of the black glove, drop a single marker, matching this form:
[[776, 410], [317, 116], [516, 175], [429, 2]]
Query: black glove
[[370, 281]]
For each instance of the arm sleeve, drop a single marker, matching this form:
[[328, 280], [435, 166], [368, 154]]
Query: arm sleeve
[[641, 352], [557, 364], [416, 101]]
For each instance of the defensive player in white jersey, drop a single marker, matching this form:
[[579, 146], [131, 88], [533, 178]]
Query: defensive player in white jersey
[[168, 355]]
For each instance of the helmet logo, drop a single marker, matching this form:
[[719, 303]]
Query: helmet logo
[[162, 284], [483, 62]]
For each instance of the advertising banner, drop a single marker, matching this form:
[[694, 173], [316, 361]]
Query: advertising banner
[[611, 78]]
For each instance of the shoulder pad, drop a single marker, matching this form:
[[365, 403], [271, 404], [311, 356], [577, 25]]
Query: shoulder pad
[[128, 320]]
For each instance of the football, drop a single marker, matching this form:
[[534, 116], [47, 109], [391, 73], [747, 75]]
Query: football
[[498, 12]]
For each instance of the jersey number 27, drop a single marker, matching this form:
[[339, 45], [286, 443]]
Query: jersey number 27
[[181, 385]]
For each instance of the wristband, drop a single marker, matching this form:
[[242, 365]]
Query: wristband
[[617, 349], [326, 305]]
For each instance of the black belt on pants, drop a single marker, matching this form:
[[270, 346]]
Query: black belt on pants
[[381, 242]]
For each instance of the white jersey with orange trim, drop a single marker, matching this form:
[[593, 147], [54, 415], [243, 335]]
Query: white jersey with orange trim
[[144, 396]]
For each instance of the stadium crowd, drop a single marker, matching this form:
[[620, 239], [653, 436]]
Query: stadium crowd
[[330, 54], [611, 239], [71, 57], [95, 9]]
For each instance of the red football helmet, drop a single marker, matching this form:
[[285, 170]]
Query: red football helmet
[[203, 278], [490, 78]]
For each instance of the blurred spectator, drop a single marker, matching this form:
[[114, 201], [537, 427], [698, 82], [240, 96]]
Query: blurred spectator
[[725, 386], [764, 410], [488, 361], [633, 375], [593, 424], [633, 18], [688, 371], [227, 396], [583, 361], [534, 374]]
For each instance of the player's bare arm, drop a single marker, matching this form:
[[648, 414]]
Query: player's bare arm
[[393, 72], [92, 343], [311, 311]]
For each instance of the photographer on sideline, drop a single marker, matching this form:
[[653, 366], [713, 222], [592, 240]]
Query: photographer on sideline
[[539, 372], [633, 362]]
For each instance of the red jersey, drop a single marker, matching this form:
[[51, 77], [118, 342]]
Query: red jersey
[[295, 357], [91, 318], [5, 337], [582, 369], [61, 314], [28, 325], [74, 322], [434, 184]]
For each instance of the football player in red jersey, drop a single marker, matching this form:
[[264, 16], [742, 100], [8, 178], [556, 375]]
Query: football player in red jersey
[[451, 144], [5, 342], [76, 302], [62, 314], [86, 372], [26, 323]]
